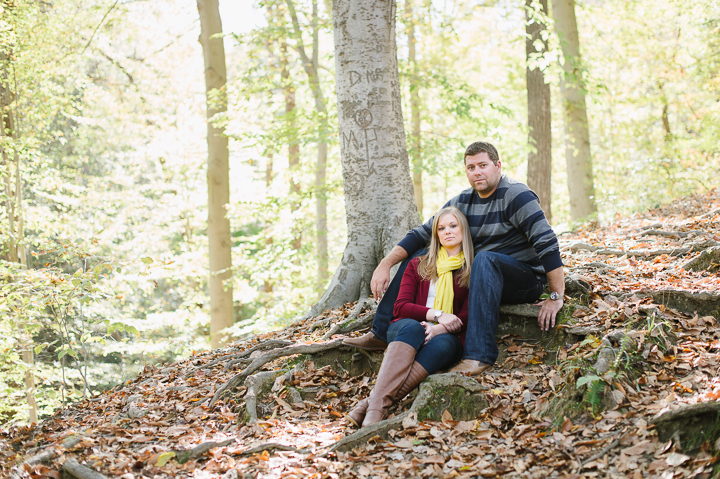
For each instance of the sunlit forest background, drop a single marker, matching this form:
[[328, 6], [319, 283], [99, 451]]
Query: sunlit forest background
[[109, 152]]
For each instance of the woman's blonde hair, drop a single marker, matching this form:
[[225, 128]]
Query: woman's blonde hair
[[427, 268]]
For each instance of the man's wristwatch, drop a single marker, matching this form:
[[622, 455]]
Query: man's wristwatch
[[555, 296]]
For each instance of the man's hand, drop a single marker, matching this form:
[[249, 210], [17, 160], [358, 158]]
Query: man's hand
[[381, 276], [451, 322], [380, 281], [548, 312]]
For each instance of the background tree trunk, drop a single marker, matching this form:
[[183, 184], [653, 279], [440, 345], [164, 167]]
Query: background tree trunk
[[378, 189], [15, 233], [577, 136], [221, 292], [311, 65], [539, 172], [415, 140]]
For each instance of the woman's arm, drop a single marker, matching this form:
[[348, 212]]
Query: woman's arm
[[405, 306]]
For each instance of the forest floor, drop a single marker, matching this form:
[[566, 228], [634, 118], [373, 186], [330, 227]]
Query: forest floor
[[540, 420]]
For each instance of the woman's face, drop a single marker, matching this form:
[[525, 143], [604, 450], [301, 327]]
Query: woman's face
[[449, 231]]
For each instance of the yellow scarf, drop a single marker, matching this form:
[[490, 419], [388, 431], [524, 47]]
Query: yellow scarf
[[444, 293]]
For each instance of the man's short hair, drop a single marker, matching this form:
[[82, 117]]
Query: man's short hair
[[482, 147]]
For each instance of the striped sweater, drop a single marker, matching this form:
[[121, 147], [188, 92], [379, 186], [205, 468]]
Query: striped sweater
[[509, 222]]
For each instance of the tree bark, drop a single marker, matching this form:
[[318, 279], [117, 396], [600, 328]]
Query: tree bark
[[577, 136], [311, 65], [221, 292], [539, 172], [415, 140], [376, 176]]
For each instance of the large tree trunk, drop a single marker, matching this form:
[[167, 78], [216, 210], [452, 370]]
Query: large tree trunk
[[221, 292], [378, 189], [539, 172], [311, 64], [415, 140], [577, 137]]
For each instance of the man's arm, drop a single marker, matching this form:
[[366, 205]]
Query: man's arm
[[381, 277], [550, 308]]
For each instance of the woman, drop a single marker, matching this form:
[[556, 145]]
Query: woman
[[431, 304]]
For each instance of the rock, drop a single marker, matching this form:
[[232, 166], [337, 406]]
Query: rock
[[690, 426], [461, 396], [708, 260], [704, 303], [575, 285]]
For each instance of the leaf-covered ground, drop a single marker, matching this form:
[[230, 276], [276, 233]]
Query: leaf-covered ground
[[633, 267]]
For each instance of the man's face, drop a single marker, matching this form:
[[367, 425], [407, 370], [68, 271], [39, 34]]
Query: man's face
[[483, 174]]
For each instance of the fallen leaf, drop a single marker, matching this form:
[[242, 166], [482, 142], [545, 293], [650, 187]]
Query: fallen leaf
[[675, 459]]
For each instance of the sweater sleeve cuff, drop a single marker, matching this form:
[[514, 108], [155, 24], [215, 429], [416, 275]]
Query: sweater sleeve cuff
[[551, 261], [410, 244]]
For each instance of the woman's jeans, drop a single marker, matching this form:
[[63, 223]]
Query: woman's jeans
[[495, 279], [440, 352]]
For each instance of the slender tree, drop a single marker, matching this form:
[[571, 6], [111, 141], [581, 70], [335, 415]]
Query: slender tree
[[414, 84], [221, 293], [376, 176], [311, 64], [539, 172], [577, 136]]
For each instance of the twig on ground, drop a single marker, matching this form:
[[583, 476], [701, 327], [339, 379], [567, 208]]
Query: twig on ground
[[600, 454]]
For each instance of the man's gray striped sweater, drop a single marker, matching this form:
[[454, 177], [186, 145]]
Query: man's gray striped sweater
[[509, 222]]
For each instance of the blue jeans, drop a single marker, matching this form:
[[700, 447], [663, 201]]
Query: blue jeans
[[440, 352], [384, 311], [495, 279]]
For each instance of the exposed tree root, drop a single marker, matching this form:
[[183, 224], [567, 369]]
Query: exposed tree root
[[257, 383], [75, 469], [184, 456], [351, 323], [271, 356], [274, 343], [47, 454], [271, 446]]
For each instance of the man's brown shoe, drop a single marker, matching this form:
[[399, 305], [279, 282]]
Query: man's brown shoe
[[367, 341], [471, 367]]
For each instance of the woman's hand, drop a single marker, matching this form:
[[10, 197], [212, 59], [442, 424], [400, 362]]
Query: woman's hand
[[432, 330], [452, 323]]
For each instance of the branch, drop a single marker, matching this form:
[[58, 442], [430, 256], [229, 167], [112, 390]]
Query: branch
[[98, 26]]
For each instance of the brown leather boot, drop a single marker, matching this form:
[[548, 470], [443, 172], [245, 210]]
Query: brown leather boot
[[471, 367], [415, 377], [394, 370], [357, 415], [367, 341]]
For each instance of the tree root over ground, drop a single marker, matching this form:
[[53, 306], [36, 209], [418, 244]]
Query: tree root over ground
[[77, 470], [271, 356]]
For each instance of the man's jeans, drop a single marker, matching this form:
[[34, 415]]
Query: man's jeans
[[495, 279]]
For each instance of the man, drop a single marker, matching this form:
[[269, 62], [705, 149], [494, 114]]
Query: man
[[516, 255]]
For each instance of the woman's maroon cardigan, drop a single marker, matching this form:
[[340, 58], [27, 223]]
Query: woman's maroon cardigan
[[413, 295]]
